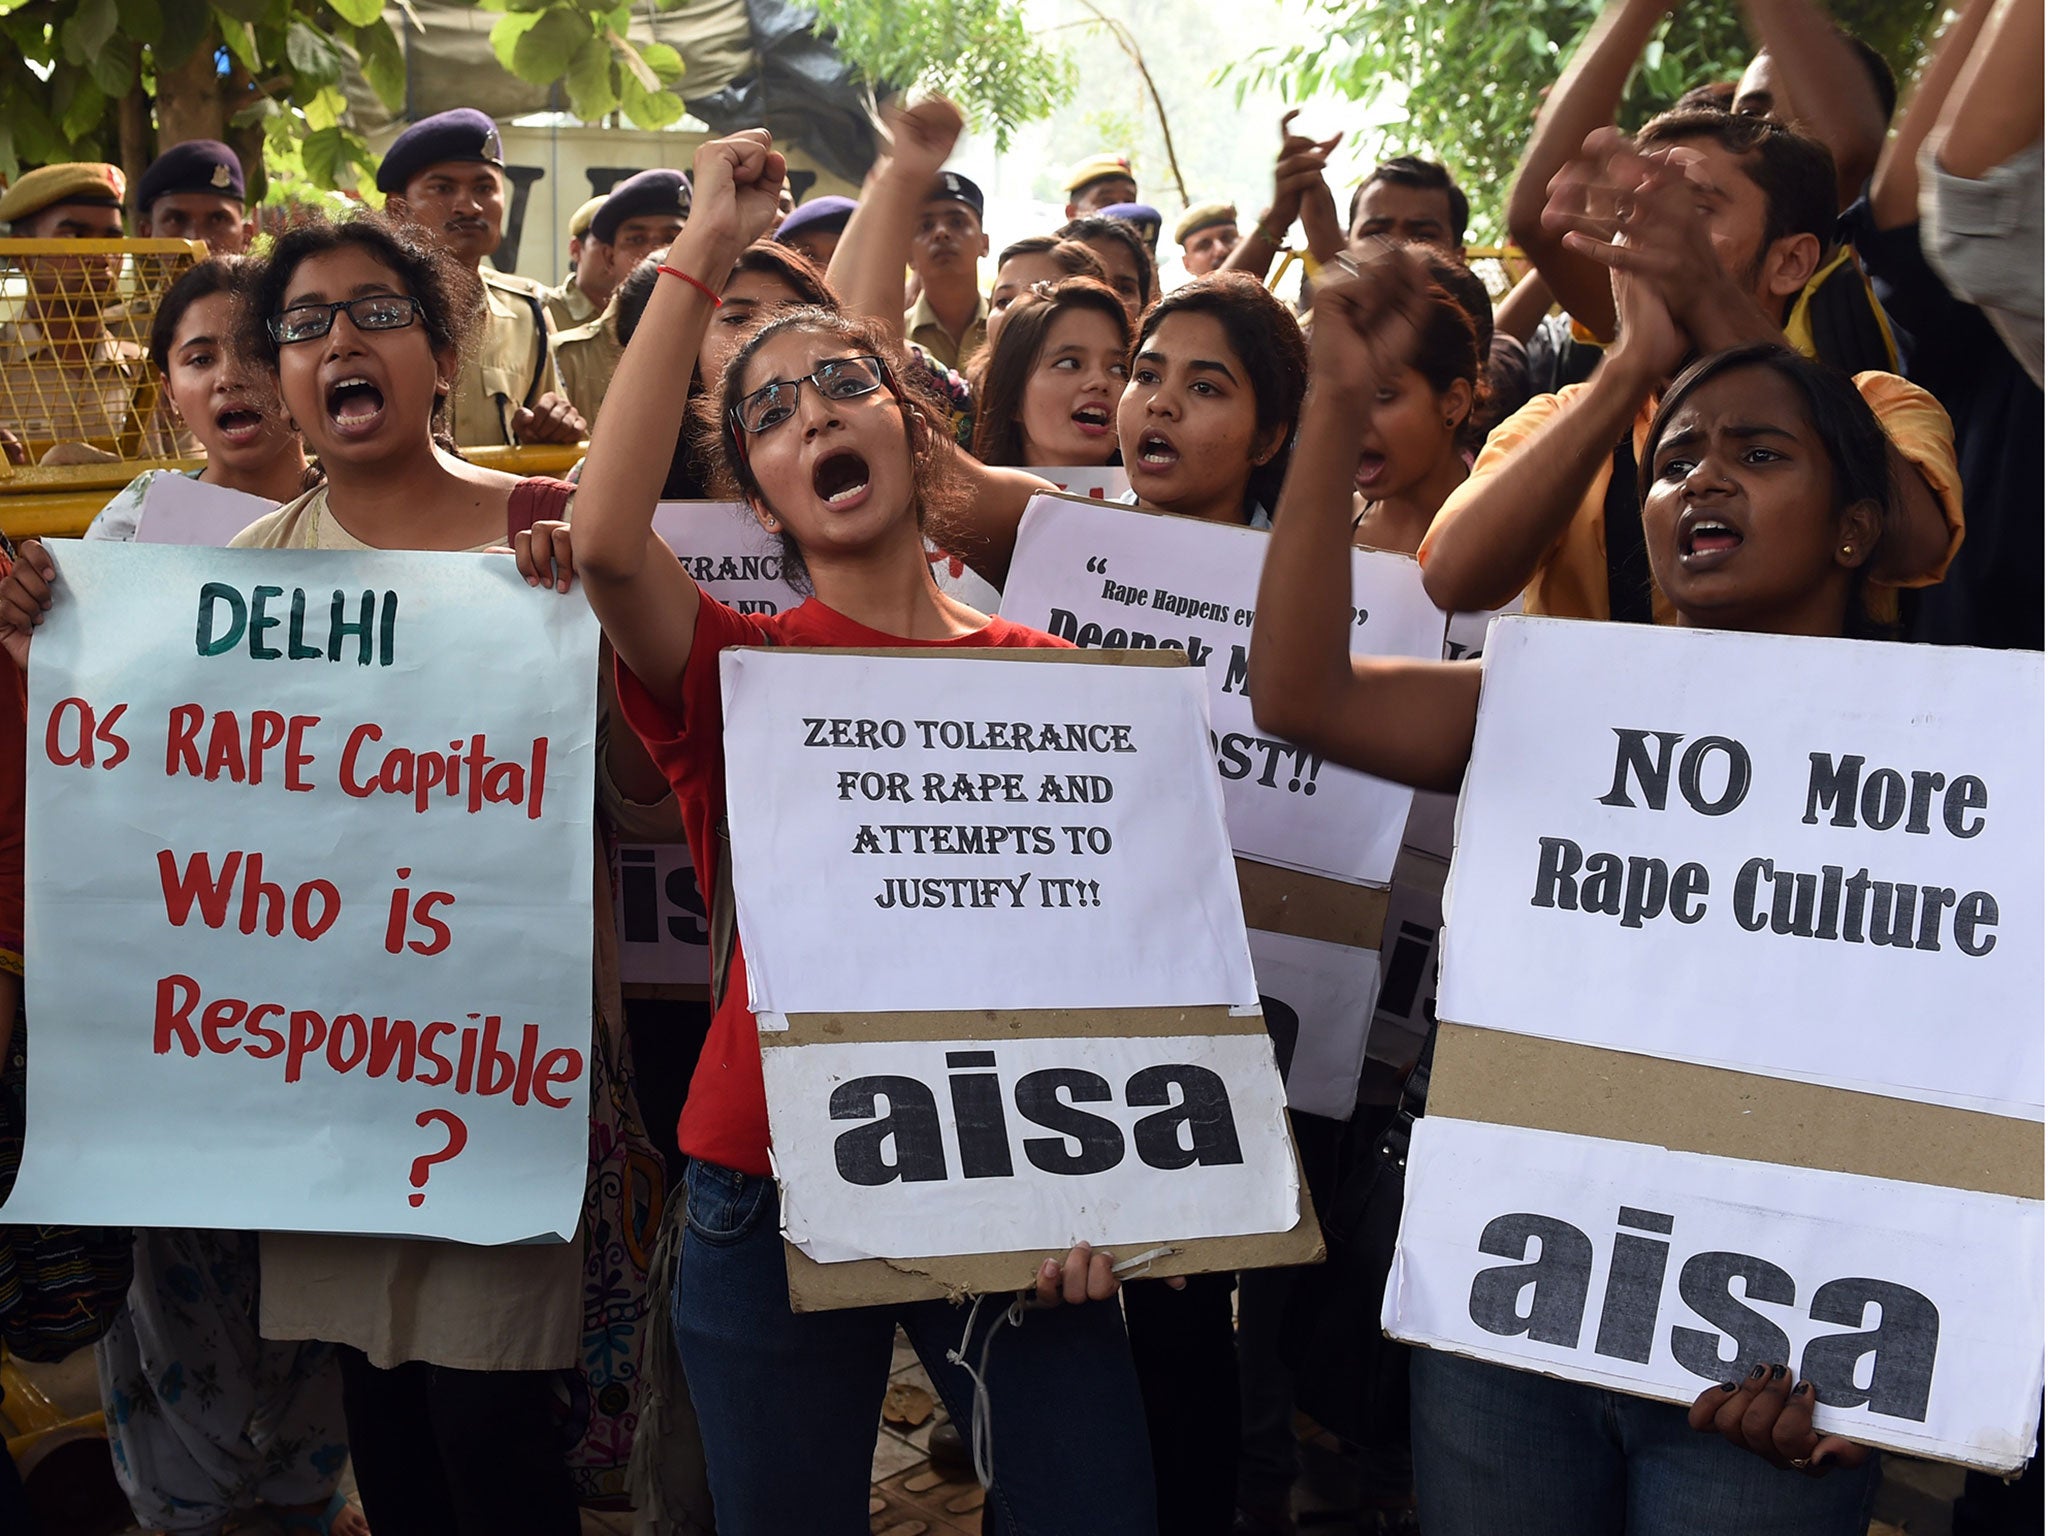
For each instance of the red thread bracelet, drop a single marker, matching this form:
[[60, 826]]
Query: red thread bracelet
[[699, 285]]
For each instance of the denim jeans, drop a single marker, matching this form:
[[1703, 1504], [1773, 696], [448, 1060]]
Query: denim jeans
[[1499, 1450], [789, 1402]]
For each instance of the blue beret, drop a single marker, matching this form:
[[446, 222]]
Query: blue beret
[[1145, 220], [659, 191], [461, 134], [820, 213], [952, 187], [197, 165]]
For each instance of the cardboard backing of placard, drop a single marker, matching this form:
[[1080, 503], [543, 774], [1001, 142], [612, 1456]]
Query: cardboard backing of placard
[[1287, 898], [1500, 1078], [815, 1287]]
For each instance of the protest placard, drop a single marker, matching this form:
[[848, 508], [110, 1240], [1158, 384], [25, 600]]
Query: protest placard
[[1089, 1060], [1770, 990], [177, 509], [1408, 961], [1107, 482], [1660, 1273], [1071, 818], [1758, 845], [664, 942], [350, 888], [1116, 576]]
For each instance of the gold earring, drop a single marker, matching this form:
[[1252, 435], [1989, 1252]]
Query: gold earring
[[1848, 549]]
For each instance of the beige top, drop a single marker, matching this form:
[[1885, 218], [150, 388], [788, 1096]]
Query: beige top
[[452, 1304]]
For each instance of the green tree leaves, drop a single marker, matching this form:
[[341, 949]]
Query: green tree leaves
[[1474, 70], [980, 53]]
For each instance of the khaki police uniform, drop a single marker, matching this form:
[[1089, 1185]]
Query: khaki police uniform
[[586, 357], [568, 307], [49, 398], [923, 326], [512, 367]]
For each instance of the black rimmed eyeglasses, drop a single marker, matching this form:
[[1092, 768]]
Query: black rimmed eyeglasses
[[844, 378], [372, 312]]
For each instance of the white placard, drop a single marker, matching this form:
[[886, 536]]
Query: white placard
[[1838, 789], [349, 885], [728, 554], [1105, 482], [1318, 1000], [908, 1149], [1114, 576], [1073, 850], [1662, 1273], [664, 935], [177, 509]]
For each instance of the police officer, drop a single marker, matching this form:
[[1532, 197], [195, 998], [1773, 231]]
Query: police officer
[[815, 227], [66, 376], [195, 191], [583, 292], [643, 214], [446, 174], [950, 318], [1100, 180], [1206, 235]]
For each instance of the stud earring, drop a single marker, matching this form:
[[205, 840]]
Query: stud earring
[[1848, 549]]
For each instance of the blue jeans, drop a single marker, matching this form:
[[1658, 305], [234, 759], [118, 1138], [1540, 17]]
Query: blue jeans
[[789, 1402], [1500, 1450]]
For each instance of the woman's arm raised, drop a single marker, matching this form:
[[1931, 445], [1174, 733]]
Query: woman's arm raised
[[869, 261], [642, 597], [1404, 720]]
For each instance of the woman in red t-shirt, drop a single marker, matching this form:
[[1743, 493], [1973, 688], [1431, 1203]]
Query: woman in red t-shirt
[[844, 465]]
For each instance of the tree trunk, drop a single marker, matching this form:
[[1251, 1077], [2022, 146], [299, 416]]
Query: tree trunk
[[189, 103], [137, 147], [237, 92]]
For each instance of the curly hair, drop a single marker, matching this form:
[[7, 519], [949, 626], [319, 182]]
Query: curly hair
[[937, 491], [450, 294]]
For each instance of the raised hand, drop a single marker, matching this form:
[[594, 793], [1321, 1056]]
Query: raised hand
[[1297, 170], [922, 136], [1369, 322], [736, 185]]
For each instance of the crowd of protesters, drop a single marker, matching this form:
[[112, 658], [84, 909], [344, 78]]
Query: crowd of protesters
[[1798, 246]]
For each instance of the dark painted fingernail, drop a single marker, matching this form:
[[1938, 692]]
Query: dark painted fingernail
[[1758, 1373], [1777, 1372], [1727, 1386]]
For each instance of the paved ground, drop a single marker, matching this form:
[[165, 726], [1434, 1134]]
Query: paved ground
[[910, 1498]]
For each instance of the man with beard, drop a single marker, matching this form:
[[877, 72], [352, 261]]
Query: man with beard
[[446, 174]]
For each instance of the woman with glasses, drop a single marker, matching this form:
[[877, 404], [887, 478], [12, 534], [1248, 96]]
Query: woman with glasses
[[843, 462], [455, 1359]]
